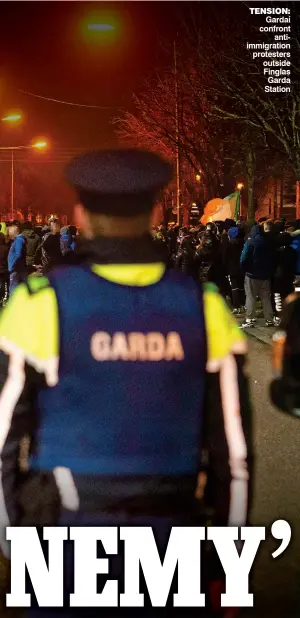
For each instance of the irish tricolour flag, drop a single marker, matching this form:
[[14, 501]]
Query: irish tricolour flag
[[220, 209]]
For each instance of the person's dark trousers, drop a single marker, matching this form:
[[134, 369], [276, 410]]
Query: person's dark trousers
[[261, 288], [281, 288], [237, 291], [14, 280], [3, 289]]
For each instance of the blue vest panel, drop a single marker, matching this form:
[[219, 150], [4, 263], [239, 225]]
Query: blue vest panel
[[124, 416]]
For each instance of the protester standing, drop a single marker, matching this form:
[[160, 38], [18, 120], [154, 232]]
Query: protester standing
[[32, 245], [258, 264], [16, 256], [4, 278], [231, 260]]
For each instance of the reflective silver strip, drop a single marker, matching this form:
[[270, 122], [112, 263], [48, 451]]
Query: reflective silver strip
[[236, 442], [9, 398], [67, 488]]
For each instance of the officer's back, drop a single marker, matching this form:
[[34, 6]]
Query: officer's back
[[128, 378]]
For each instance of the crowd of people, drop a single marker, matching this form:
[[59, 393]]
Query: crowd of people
[[246, 262], [25, 249]]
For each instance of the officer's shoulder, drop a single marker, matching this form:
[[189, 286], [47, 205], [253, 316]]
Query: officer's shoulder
[[36, 284], [210, 287], [220, 322], [215, 305]]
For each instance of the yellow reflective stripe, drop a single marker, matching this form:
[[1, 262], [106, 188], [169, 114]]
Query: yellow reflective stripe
[[131, 274], [222, 332], [30, 323], [36, 283], [4, 228]]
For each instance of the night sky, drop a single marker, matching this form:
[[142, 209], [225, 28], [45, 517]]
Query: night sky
[[46, 49]]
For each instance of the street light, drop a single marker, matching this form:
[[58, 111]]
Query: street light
[[198, 177], [40, 145], [12, 118], [240, 187], [101, 27]]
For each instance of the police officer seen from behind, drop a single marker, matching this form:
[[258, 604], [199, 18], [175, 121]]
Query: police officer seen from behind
[[127, 377]]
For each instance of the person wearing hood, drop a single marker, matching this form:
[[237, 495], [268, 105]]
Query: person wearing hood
[[231, 260], [3, 269], [259, 264], [33, 242]]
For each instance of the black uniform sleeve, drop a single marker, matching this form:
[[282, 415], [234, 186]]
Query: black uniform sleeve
[[18, 428], [26, 497], [227, 443]]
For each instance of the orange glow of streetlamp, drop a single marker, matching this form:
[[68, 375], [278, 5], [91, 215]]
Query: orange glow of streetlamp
[[239, 186], [101, 27], [12, 118], [198, 177], [40, 145]]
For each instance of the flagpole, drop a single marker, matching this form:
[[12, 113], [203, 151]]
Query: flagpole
[[177, 136]]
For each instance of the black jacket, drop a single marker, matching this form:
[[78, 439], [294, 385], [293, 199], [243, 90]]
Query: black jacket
[[231, 257], [51, 251], [4, 249], [258, 259], [33, 242]]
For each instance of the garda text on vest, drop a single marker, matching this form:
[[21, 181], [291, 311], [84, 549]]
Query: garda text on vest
[[137, 347]]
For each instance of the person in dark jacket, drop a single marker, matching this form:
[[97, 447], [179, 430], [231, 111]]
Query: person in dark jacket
[[295, 234], [51, 247], [3, 270], [258, 264], [185, 255], [73, 234], [231, 260], [207, 259], [33, 242]]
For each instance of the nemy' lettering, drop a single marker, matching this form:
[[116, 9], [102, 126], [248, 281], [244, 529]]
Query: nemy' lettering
[[136, 346], [183, 554]]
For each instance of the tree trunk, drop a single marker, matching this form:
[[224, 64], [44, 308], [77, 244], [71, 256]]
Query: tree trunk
[[186, 211], [297, 199], [281, 197], [250, 184]]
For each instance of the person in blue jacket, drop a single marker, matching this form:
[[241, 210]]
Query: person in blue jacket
[[65, 240], [16, 256], [296, 246]]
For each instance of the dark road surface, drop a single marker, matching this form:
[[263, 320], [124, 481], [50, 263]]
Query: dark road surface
[[276, 582]]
